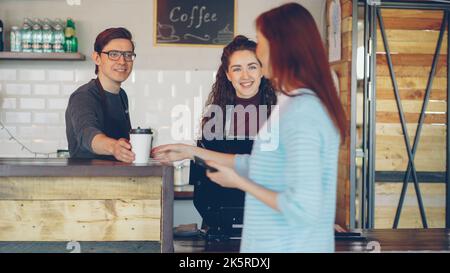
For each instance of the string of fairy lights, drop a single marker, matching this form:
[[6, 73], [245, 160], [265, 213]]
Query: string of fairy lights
[[23, 146]]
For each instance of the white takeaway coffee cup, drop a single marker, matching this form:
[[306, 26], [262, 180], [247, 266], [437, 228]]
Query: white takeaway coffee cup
[[141, 144]]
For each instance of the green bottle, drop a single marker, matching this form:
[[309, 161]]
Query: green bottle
[[71, 42]]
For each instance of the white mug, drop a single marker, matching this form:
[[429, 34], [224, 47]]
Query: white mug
[[141, 144]]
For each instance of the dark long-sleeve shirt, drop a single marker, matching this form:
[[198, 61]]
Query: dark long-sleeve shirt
[[90, 113]]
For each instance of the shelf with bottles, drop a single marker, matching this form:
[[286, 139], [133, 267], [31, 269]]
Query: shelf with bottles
[[44, 39], [53, 56]]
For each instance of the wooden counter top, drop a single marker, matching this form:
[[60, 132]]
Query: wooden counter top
[[57, 167], [376, 240]]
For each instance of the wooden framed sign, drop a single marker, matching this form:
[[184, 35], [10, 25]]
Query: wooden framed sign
[[194, 22]]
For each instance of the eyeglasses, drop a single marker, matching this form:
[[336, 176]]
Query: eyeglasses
[[114, 55]]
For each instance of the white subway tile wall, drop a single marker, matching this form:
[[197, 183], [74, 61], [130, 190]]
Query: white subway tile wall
[[8, 74], [18, 89], [60, 75], [33, 104], [31, 75], [9, 103], [46, 89]]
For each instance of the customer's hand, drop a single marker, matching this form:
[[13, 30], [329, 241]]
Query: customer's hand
[[122, 151], [225, 176], [167, 154], [338, 228]]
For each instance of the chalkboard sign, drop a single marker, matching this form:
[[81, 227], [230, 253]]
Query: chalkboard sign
[[194, 22]]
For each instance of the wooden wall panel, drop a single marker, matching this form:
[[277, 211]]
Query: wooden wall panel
[[412, 36], [411, 14], [80, 220], [80, 188], [387, 196], [411, 94], [413, 71], [343, 71], [412, 60]]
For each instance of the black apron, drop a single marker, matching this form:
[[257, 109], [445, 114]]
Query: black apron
[[219, 207], [112, 129]]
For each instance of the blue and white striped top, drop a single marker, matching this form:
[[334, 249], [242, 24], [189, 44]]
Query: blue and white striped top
[[299, 161]]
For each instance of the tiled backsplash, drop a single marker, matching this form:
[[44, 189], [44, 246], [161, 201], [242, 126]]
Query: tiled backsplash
[[33, 102]]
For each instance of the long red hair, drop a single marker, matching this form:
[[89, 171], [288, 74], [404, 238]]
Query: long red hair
[[298, 57]]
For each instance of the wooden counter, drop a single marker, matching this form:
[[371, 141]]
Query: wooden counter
[[46, 202], [377, 240]]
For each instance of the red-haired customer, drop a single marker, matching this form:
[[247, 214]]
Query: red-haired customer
[[290, 186]]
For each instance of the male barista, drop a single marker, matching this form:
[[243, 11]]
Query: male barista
[[97, 118]]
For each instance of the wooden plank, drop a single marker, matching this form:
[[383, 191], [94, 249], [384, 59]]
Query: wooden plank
[[391, 153], [412, 36], [411, 47], [344, 85], [413, 23], [343, 203], [347, 24], [397, 143], [80, 220], [389, 193], [384, 82], [346, 9], [391, 129], [346, 40], [412, 71], [386, 200], [411, 13], [343, 170], [400, 163], [411, 106], [412, 59], [391, 117], [342, 68], [411, 41], [344, 157], [80, 188], [411, 94], [384, 217], [346, 54]]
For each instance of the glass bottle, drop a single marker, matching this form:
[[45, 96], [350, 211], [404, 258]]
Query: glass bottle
[[47, 38], [71, 42], [16, 39], [37, 38], [26, 38], [58, 38]]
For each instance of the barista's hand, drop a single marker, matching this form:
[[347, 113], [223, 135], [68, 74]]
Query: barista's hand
[[167, 154], [122, 151], [225, 176]]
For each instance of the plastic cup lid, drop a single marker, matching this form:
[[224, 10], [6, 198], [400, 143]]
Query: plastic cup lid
[[140, 130]]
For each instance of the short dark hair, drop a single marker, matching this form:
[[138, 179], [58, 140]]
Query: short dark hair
[[110, 34]]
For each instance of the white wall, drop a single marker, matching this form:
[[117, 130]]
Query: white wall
[[93, 16], [33, 94]]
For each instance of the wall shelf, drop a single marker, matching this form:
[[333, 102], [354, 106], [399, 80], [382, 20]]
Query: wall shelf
[[5, 55]]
